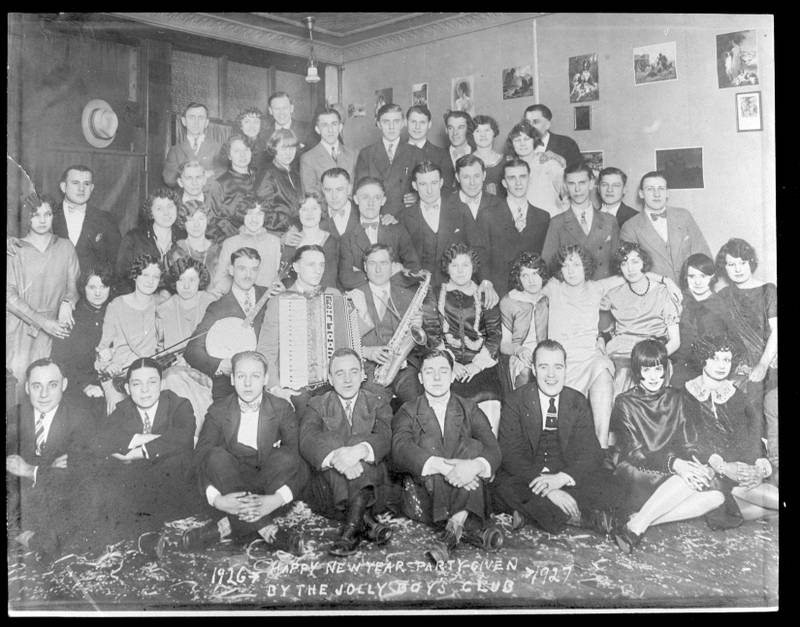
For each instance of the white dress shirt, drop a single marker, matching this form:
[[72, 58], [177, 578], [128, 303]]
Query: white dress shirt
[[74, 216], [587, 212], [431, 213], [473, 203], [465, 149], [393, 144], [418, 143], [241, 296], [196, 141], [611, 209], [439, 406], [660, 225], [382, 297]]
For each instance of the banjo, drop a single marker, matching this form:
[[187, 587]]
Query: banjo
[[231, 335]]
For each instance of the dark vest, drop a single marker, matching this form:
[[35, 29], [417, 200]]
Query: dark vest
[[548, 453], [384, 329]]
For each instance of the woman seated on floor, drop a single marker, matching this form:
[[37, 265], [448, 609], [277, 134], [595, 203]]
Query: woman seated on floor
[[471, 332], [76, 354], [523, 313], [728, 437], [176, 320], [658, 451], [642, 308], [129, 328], [703, 314]]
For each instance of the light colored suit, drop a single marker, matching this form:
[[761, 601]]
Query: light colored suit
[[601, 242], [316, 161], [683, 240]]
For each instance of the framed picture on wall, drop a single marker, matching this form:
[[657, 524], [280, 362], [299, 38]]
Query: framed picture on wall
[[584, 83], [655, 63], [517, 82], [683, 167], [748, 111], [382, 97], [462, 94], [737, 59], [419, 94], [583, 118], [594, 159]]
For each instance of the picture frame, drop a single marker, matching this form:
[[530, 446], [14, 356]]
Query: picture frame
[[584, 82], [748, 111], [655, 63], [683, 167], [419, 94], [594, 159], [517, 82], [737, 59], [462, 94], [583, 118]]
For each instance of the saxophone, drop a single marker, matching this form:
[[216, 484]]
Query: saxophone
[[406, 335]]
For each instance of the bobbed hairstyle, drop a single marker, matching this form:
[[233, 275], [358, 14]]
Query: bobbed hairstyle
[[647, 354], [527, 260], [564, 253], [740, 249]]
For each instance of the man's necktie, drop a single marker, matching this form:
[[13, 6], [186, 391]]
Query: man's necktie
[[584, 224], [390, 152], [334, 154], [194, 144], [551, 419], [39, 433], [655, 216], [148, 425], [348, 410], [520, 219], [248, 304]]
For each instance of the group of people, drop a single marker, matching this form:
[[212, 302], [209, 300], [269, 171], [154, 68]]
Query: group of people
[[510, 347]]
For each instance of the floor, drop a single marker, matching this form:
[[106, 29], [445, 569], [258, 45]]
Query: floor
[[678, 565]]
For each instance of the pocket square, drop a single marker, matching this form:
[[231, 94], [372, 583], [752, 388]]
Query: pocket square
[[277, 444], [98, 238], [456, 231]]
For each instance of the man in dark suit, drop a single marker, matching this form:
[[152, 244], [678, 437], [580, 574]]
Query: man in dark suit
[[340, 216], [237, 303], [512, 226], [445, 447], [459, 126], [418, 120], [195, 146], [669, 234], [381, 304], [328, 153], [471, 174], [346, 435], [370, 197], [144, 453], [611, 187], [93, 232], [248, 463], [281, 110], [435, 223], [551, 470], [539, 116], [46, 450], [391, 160], [582, 224]]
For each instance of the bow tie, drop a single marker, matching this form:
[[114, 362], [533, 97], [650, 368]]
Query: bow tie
[[426, 207], [655, 216], [76, 208], [250, 407], [370, 225]]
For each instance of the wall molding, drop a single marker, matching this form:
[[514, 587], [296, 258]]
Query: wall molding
[[220, 27]]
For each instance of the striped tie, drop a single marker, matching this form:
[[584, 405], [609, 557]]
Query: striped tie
[[147, 424], [551, 419], [348, 410], [390, 153], [39, 433]]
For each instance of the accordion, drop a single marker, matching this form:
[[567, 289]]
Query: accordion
[[311, 329]]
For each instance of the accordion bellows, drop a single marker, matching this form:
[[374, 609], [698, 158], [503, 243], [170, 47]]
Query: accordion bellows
[[311, 329]]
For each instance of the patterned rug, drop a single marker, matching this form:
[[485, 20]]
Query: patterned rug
[[678, 565]]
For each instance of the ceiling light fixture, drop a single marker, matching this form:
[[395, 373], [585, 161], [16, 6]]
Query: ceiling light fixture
[[312, 76]]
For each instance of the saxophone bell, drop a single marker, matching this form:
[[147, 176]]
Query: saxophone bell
[[418, 335]]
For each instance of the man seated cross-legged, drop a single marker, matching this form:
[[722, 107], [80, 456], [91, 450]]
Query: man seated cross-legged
[[346, 434]]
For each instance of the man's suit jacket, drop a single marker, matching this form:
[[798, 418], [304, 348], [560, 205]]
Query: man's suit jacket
[[601, 242], [354, 244], [441, 157], [396, 177], [174, 421], [684, 239], [212, 200], [504, 242], [70, 432], [416, 435], [566, 147], [98, 243], [324, 426], [316, 161], [277, 425], [487, 201], [455, 225], [196, 354], [209, 155], [625, 213], [353, 221], [521, 429]]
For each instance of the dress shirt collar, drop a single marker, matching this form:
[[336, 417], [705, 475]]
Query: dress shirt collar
[[151, 411], [418, 143], [469, 201], [545, 140], [611, 209], [187, 197], [434, 207], [544, 401], [463, 149], [382, 291], [438, 403], [251, 407], [394, 144], [344, 401], [196, 140], [48, 415], [344, 211], [719, 396], [71, 208], [517, 203], [287, 127], [240, 295]]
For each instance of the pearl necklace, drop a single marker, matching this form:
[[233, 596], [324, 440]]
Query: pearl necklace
[[647, 289]]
